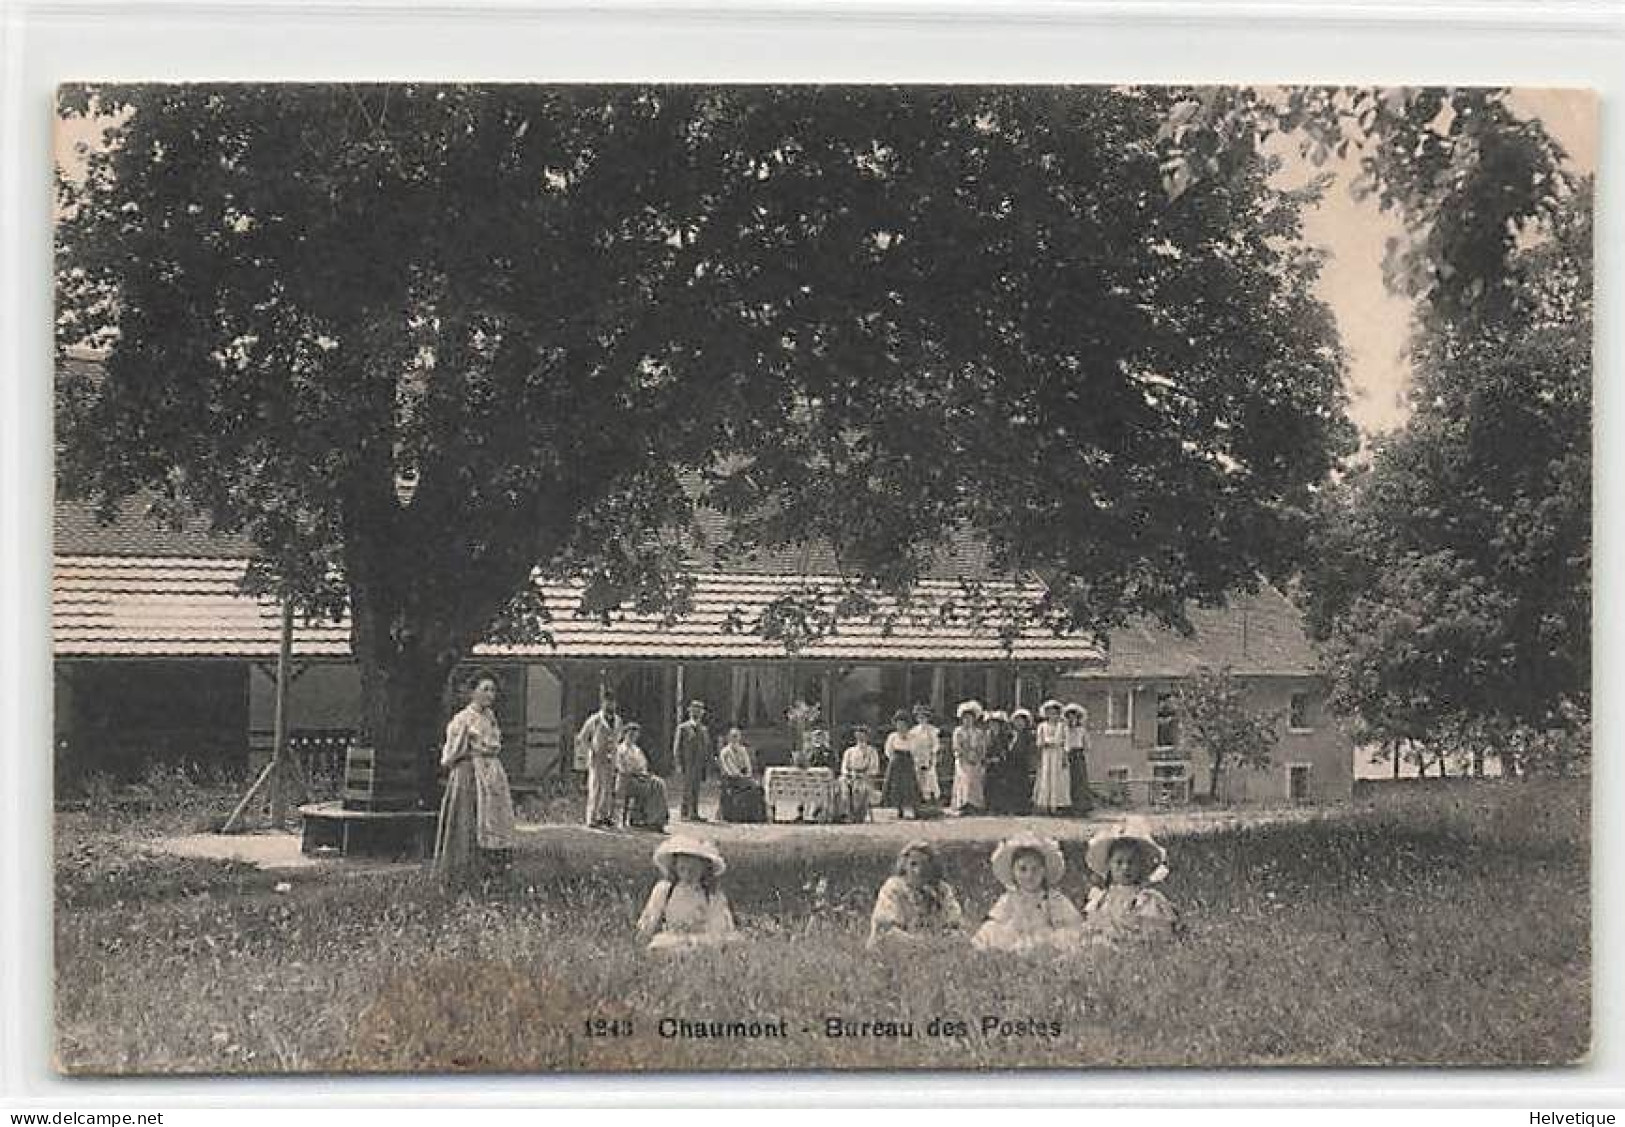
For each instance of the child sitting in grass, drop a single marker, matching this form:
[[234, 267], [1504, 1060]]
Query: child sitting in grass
[[1032, 914], [686, 908], [915, 902], [1128, 859]]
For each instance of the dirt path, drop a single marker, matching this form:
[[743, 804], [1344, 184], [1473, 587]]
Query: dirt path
[[279, 852]]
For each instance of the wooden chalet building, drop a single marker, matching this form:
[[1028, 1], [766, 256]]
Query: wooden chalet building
[[158, 656]]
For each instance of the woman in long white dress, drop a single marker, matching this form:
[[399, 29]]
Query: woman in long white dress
[[970, 744], [1052, 789], [475, 835]]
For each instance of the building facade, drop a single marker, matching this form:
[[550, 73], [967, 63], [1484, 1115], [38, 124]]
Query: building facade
[[159, 656]]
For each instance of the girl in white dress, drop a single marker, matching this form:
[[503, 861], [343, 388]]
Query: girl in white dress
[[916, 902], [687, 907], [1124, 908], [1052, 789], [1032, 915]]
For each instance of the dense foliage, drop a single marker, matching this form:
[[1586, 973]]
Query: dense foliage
[[1454, 577], [572, 316]]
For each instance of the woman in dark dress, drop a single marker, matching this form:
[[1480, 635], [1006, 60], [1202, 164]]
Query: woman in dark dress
[[1077, 758], [902, 786], [742, 799], [1010, 784], [1000, 787]]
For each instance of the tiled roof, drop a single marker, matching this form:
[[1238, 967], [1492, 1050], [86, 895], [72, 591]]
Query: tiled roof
[[106, 606], [136, 588], [133, 533], [1254, 635]]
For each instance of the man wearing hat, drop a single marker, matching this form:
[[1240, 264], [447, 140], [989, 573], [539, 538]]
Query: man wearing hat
[[693, 747]]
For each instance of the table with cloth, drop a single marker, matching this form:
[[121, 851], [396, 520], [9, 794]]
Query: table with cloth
[[809, 791]]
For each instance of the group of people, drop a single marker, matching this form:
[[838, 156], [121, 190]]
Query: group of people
[[687, 907], [1003, 764], [622, 790]]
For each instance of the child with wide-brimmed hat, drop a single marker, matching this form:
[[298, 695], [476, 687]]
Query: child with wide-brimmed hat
[[1032, 914], [687, 907], [1128, 861]]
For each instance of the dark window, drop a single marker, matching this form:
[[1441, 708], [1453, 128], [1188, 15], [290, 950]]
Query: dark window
[[1298, 782], [1298, 713], [1167, 720]]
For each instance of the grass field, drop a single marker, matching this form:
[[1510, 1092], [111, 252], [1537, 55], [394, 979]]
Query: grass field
[[1435, 924]]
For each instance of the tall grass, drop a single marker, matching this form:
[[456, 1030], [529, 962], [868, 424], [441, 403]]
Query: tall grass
[[1452, 932]]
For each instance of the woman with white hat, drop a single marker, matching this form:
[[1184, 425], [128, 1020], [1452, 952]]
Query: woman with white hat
[[1128, 860], [1052, 789], [1032, 914], [970, 760], [1004, 789], [925, 744], [687, 907]]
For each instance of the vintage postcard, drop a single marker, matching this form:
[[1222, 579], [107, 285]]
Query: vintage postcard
[[642, 578]]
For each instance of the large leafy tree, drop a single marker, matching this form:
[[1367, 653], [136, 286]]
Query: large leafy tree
[[570, 316], [1454, 576]]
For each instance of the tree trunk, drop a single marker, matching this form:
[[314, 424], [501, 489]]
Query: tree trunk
[[402, 720], [1478, 760], [1394, 748], [1213, 780]]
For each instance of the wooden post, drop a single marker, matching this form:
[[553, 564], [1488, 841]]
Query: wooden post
[[680, 711], [1016, 665], [279, 726]]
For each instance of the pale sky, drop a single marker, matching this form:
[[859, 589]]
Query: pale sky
[[1374, 323]]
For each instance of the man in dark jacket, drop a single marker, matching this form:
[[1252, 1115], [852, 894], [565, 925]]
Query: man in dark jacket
[[693, 744]]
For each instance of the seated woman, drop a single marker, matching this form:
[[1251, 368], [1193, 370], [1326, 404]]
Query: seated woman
[[639, 792], [742, 799]]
